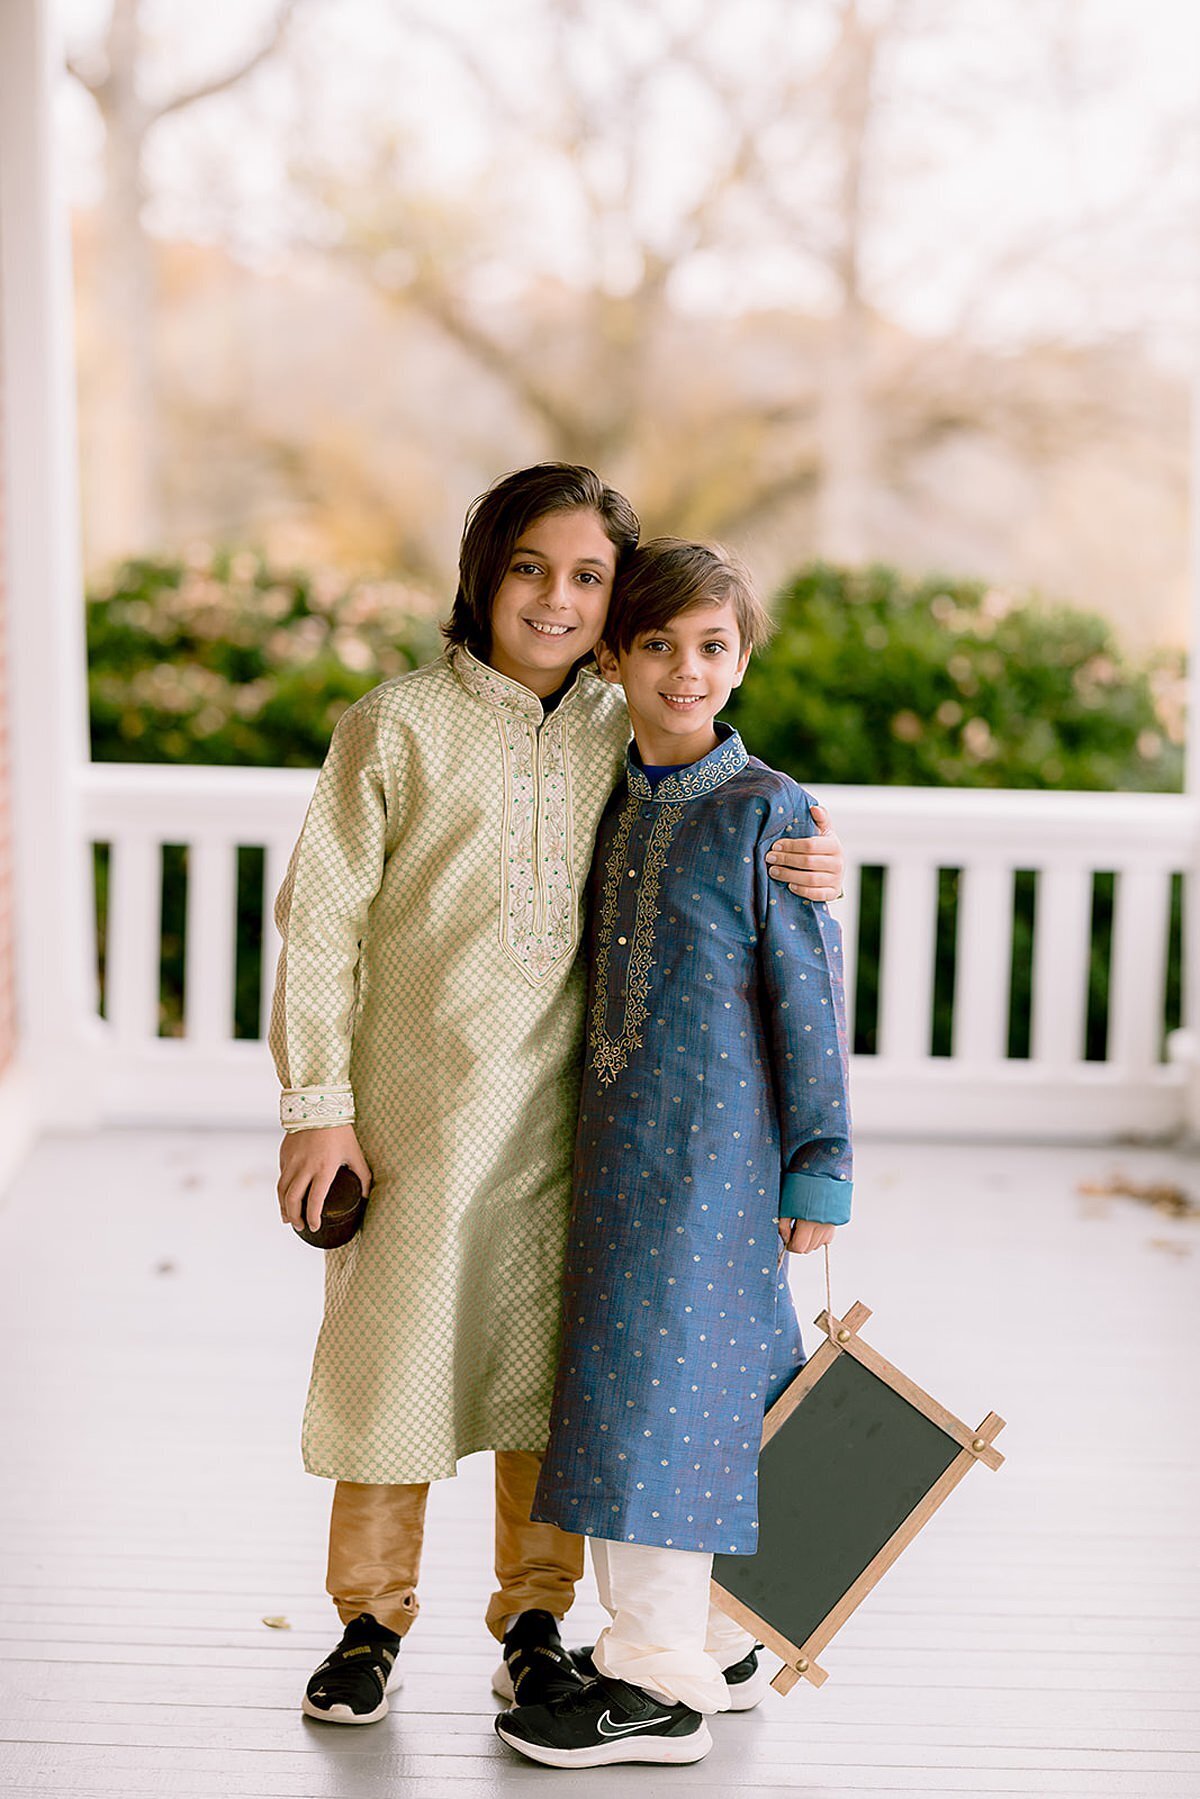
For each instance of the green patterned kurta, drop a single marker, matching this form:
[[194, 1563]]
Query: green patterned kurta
[[428, 989]]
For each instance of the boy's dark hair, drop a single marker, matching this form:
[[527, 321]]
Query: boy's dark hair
[[668, 576], [496, 522]]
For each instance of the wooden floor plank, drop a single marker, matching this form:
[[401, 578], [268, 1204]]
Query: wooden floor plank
[[1042, 1637], [820, 1751], [982, 1641], [101, 1769], [425, 1729], [1044, 1713]]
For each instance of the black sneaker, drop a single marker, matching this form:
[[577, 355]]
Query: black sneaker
[[747, 1680], [351, 1685], [536, 1669], [605, 1721]]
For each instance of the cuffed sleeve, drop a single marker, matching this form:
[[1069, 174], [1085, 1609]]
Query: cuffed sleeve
[[311, 1108], [800, 958], [321, 913], [820, 1198]]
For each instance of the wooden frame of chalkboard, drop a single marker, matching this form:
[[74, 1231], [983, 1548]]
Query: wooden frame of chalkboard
[[882, 1454]]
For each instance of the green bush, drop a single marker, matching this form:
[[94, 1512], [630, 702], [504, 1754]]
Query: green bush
[[220, 659], [873, 677]]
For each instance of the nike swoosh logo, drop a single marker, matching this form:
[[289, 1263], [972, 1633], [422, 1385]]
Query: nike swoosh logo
[[620, 1730]]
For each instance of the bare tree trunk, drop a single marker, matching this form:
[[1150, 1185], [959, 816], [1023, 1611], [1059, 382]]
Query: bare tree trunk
[[125, 501], [844, 425], [124, 513]]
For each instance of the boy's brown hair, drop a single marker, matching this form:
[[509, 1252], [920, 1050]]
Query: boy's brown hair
[[668, 576]]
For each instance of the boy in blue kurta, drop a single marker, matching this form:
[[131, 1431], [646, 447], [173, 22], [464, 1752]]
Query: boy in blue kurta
[[713, 1124]]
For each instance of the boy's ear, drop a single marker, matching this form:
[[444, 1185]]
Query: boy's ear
[[606, 662], [743, 660]]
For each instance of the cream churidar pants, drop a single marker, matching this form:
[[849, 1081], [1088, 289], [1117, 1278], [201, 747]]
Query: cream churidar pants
[[665, 1633]]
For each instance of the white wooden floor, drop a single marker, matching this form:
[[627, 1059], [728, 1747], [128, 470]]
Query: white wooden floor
[[1040, 1638]]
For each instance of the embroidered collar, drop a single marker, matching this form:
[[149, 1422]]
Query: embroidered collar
[[488, 684], [729, 758]]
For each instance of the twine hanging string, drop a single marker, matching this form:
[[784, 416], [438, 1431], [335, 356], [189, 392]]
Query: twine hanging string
[[828, 1284]]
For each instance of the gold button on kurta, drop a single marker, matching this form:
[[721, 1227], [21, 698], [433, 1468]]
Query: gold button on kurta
[[428, 989]]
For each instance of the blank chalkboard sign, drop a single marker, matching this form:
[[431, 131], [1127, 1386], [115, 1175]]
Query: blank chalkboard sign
[[855, 1459]]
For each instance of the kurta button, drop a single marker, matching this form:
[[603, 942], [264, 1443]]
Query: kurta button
[[622, 940], [633, 874]]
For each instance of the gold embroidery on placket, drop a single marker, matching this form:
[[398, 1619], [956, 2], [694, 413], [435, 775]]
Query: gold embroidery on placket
[[540, 918], [610, 1055]]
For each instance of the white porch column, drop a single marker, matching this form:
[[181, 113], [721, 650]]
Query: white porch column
[[59, 1033], [1189, 1036]]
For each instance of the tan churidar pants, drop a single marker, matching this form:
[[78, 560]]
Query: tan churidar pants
[[375, 1538]]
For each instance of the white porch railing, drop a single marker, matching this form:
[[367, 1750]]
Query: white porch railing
[[977, 1089]]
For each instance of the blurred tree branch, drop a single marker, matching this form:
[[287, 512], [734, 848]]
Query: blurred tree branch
[[220, 84], [114, 61]]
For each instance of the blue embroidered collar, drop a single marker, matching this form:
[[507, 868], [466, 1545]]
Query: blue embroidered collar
[[486, 683], [698, 778]]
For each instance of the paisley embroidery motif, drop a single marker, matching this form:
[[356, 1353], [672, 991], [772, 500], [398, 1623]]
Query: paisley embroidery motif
[[610, 1054], [302, 1106], [539, 912], [729, 758]]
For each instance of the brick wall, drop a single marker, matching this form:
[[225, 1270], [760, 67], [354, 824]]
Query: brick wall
[[8, 1017]]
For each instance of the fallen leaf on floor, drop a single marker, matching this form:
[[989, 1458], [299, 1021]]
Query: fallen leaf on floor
[[1162, 1196], [1171, 1245], [277, 1623]]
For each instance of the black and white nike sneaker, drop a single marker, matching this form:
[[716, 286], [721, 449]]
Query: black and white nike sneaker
[[606, 1721], [747, 1680], [536, 1669], [351, 1684]]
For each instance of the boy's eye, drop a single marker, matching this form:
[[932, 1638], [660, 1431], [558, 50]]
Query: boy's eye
[[655, 643], [716, 646]]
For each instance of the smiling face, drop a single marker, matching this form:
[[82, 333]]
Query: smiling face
[[677, 678], [551, 604]]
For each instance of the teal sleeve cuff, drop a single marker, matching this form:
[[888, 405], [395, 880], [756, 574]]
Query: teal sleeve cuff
[[817, 1197]]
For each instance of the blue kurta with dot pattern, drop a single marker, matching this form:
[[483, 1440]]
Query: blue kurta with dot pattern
[[714, 1099]]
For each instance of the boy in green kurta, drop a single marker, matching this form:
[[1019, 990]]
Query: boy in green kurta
[[426, 1030]]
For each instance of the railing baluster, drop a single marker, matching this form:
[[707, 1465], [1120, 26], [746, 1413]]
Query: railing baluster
[[275, 866], [845, 910], [985, 913], [211, 940], [134, 936], [1061, 947], [909, 928], [1139, 966]]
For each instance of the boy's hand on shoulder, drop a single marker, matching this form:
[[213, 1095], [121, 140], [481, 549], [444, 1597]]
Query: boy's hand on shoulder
[[800, 1235], [308, 1161], [813, 867]]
